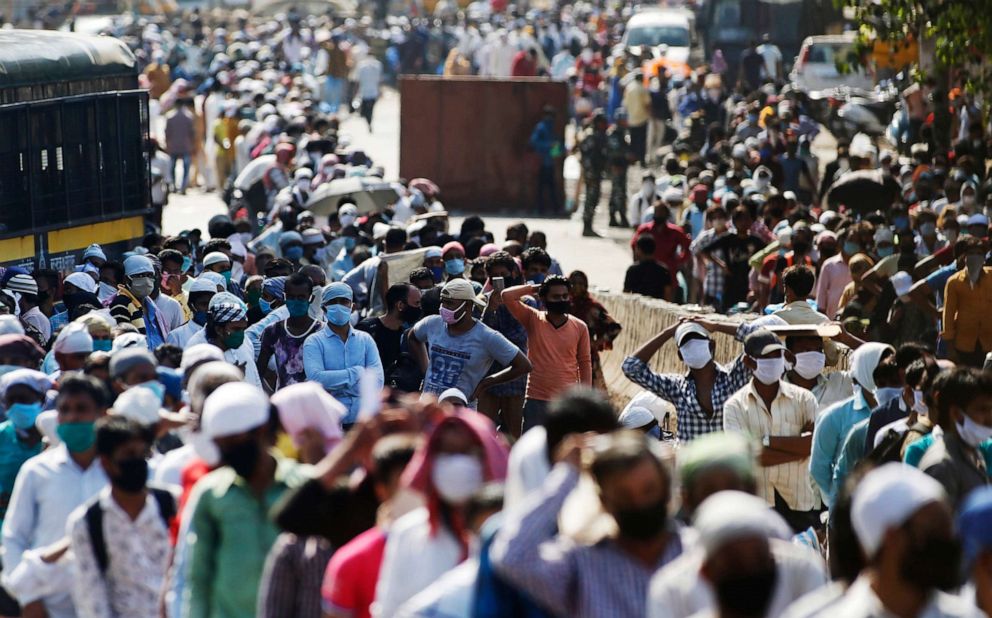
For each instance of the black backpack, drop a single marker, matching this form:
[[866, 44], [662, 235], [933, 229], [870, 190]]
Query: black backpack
[[889, 447], [94, 523]]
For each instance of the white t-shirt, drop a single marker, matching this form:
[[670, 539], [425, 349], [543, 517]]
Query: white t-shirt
[[772, 56], [243, 357]]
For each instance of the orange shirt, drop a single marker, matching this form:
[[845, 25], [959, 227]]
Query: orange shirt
[[560, 355], [966, 316]]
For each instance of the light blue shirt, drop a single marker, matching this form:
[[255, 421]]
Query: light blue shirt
[[831, 428], [338, 365]]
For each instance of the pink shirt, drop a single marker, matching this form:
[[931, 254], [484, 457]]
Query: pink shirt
[[834, 277], [352, 574]]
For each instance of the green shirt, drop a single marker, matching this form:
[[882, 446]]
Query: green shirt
[[13, 453], [231, 534]]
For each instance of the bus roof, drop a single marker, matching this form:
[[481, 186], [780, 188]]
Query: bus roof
[[40, 56]]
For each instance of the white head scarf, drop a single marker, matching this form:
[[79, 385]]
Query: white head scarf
[[864, 360]]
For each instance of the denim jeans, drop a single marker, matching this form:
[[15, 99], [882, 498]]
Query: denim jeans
[[334, 92], [535, 413], [187, 160]]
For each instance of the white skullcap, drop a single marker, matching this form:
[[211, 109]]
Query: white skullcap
[[635, 417], [902, 282], [82, 281], [379, 230], [733, 515], [32, 378], [203, 284], [886, 498], [217, 278], [73, 339], [235, 407], [129, 340], [453, 393], [215, 257], [199, 353], [672, 194], [140, 404], [10, 325]]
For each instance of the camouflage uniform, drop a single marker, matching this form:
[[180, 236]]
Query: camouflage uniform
[[593, 151], [618, 154]]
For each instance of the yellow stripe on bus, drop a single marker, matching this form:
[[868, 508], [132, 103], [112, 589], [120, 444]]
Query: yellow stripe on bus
[[104, 233], [14, 249]]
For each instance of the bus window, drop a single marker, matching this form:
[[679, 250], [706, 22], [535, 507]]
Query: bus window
[[110, 156], [15, 211], [79, 150], [131, 110], [47, 164]]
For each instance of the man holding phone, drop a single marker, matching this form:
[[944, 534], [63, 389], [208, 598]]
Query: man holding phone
[[558, 344]]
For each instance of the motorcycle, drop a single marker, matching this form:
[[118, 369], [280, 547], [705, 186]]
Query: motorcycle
[[846, 112]]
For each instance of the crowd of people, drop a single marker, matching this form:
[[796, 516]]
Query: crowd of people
[[367, 413]]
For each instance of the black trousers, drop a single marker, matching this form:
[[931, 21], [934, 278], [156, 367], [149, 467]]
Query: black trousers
[[546, 186]]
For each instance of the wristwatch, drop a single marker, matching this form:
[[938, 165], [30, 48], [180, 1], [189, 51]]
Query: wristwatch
[[766, 441]]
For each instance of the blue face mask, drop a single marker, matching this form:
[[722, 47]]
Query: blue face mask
[[200, 317], [187, 263], [156, 387], [338, 315], [349, 242], [538, 278], [438, 273], [293, 254], [264, 305], [297, 308], [455, 266], [851, 248], [227, 275], [102, 345], [23, 415], [886, 251]]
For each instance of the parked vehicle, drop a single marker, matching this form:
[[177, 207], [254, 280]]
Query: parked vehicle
[[827, 62], [668, 30]]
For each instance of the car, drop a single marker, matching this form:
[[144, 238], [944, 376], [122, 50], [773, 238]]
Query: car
[[817, 66], [671, 29]]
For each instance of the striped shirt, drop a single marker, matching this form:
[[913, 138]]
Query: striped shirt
[[792, 408], [567, 578], [294, 572]]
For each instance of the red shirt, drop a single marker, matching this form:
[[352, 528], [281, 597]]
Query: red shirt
[[667, 240], [523, 65], [352, 574]]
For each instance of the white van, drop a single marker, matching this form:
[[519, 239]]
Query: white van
[[815, 68], [657, 27]]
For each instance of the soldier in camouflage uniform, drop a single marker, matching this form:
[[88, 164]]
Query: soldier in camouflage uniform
[[592, 149], [619, 155]]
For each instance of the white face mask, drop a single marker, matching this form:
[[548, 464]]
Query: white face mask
[[919, 406], [769, 370], [346, 220], [303, 185], [587, 56], [696, 353], [761, 183], [810, 364], [972, 433], [884, 395], [456, 477]]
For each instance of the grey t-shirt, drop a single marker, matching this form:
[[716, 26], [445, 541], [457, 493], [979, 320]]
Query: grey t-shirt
[[460, 361]]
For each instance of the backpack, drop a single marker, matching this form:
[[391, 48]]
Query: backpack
[[94, 523], [890, 446]]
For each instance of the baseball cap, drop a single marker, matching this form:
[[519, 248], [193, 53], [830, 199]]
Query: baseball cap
[[761, 342], [461, 289], [690, 328]]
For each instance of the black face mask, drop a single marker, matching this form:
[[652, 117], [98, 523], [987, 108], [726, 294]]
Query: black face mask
[[642, 522], [748, 594], [932, 563], [411, 314], [243, 458], [132, 476], [558, 306]]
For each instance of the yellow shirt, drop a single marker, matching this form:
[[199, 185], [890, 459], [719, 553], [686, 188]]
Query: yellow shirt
[[967, 319]]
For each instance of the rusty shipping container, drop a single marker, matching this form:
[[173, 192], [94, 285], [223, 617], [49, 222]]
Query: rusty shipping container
[[471, 136]]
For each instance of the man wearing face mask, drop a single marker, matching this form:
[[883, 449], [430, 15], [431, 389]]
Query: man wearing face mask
[[642, 201], [291, 246], [133, 304], [780, 416], [22, 392], [338, 355], [50, 487], [462, 349], [225, 328], [698, 396], [634, 486], [224, 570], [557, 345], [904, 525], [966, 320], [745, 565], [121, 541], [670, 241], [955, 458], [200, 293], [806, 343]]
